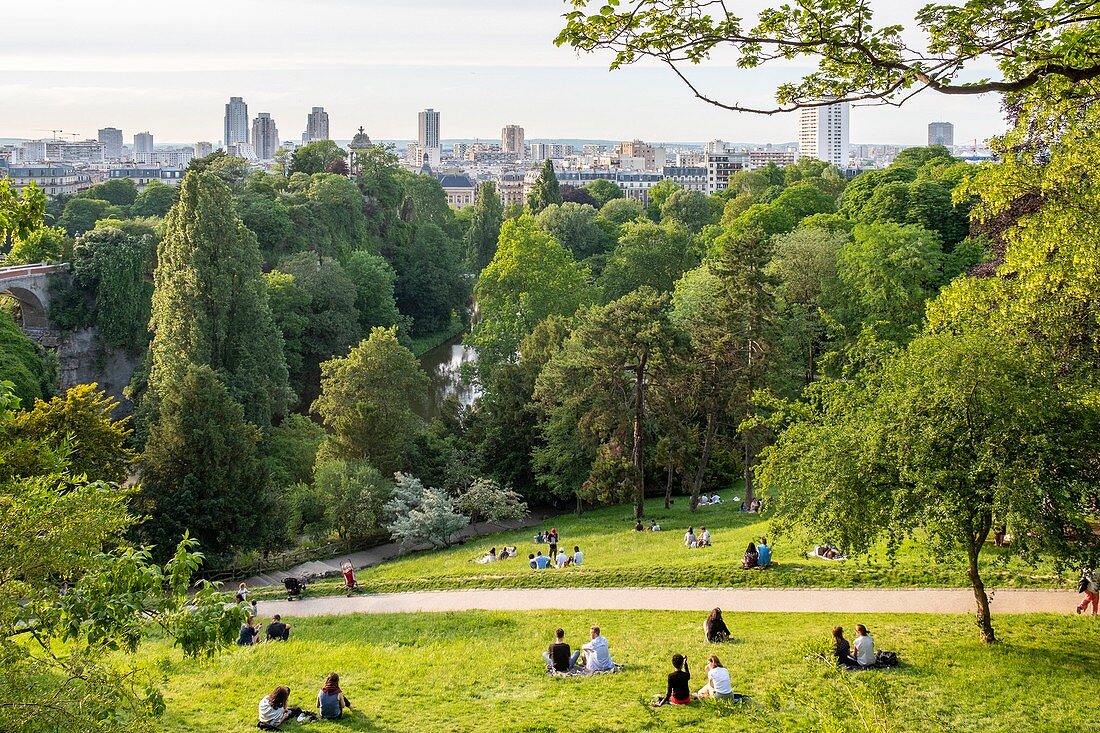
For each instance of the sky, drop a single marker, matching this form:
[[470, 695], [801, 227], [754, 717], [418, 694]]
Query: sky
[[169, 67]]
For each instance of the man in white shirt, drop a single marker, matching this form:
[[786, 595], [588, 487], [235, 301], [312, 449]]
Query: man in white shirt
[[704, 539], [578, 556], [597, 655], [864, 646], [559, 561]]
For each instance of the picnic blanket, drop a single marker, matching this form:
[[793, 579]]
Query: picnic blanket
[[582, 672]]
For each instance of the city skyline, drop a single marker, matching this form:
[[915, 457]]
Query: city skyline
[[377, 67]]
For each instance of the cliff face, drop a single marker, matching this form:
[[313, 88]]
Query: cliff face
[[80, 360]]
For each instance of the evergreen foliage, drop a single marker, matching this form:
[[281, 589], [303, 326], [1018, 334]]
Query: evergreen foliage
[[546, 190]]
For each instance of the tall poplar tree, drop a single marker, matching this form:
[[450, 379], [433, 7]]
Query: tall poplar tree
[[210, 304], [546, 190], [481, 238]]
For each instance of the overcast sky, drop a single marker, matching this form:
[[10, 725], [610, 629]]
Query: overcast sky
[[169, 67]]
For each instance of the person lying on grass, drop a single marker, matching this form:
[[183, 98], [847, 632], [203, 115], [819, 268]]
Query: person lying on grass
[[678, 691], [331, 700], [714, 628], [718, 684], [558, 657]]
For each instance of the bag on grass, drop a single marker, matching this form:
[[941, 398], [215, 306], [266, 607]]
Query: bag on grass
[[886, 659]]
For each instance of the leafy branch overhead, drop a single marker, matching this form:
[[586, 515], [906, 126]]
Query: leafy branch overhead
[[857, 60]]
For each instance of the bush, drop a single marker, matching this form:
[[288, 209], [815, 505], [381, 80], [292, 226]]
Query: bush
[[486, 500], [418, 514], [353, 493]]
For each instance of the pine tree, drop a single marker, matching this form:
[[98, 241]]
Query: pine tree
[[210, 304], [546, 190]]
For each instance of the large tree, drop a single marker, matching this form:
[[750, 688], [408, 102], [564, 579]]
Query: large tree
[[316, 157], [546, 190], [367, 400], [647, 254], [210, 304], [531, 277], [485, 221], [853, 57]]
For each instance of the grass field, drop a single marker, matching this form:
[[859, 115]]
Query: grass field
[[481, 672], [616, 556]]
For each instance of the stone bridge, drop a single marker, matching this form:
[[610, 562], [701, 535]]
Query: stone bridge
[[30, 285]]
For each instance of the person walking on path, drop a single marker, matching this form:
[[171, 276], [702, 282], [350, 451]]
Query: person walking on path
[[1090, 586]]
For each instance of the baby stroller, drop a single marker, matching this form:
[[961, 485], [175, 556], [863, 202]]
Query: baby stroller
[[295, 587]]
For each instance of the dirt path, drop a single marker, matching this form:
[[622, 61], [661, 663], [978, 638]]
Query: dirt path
[[683, 599]]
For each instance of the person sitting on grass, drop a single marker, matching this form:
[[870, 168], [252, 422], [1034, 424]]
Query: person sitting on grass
[[331, 701], [842, 650], [704, 500], [540, 538], [249, 632], [578, 556], [704, 538], [751, 558], [273, 710], [277, 630], [541, 561], [763, 553], [653, 526], [715, 629], [558, 657], [561, 560], [689, 538], [597, 653], [718, 684], [490, 556], [864, 645], [678, 691], [638, 526], [716, 499]]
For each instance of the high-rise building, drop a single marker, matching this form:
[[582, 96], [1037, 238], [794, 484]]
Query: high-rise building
[[823, 133], [428, 129], [143, 142], [316, 126], [511, 140], [111, 138], [941, 133], [203, 149], [236, 122], [265, 136]]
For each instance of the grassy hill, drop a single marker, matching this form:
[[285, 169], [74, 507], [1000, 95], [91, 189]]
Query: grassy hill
[[482, 671]]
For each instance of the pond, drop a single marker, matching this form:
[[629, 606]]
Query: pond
[[443, 365]]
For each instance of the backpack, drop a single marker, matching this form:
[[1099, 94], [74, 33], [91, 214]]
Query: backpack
[[886, 659], [1083, 584]]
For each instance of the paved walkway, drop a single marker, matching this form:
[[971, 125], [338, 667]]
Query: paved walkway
[[382, 553], [823, 600]]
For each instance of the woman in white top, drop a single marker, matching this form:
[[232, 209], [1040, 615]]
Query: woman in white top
[[689, 538], [718, 680], [864, 647]]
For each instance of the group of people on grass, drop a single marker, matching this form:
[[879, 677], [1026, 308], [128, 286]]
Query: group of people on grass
[[560, 559], [692, 542], [757, 556], [275, 709], [593, 656], [653, 526], [275, 631], [860, 654]]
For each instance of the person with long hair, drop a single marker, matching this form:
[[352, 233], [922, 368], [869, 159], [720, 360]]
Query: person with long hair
[[715, 628], [751, 558], [864, 645], [842, 650], [331, 700], [718, 680], [273, 710]]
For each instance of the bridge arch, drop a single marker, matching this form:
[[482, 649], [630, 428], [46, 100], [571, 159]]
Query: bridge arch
[[30, 306]]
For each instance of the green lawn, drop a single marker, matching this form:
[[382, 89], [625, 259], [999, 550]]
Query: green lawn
[[481, 672], [615, 555]]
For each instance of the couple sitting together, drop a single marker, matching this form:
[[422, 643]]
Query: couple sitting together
[[331, 704], [703, 540], [678, 691], [860, 654], [594, 656]]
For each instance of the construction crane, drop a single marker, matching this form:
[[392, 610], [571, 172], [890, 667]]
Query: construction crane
[[42, 129]]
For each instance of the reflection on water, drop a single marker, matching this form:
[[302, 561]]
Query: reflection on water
[[444, 367]]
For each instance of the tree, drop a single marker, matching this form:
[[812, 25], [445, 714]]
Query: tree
[[956, 435], [210, 304], [805, 199], [603, 191], [546, 190], [367, 399], [155, 200], [576, 228], [647, 254], [692, 210], [374, 280], [315, 157], [200, 470], [418, 514], [619, 211], [487, 501], [117, 191], [269, 219], [21, 364], [20, 213], [1034, 46], [81, 214], [290, 450], [354, 493], [530, 278], [431, 286], [658, 193], [48, 244], [573, 195], [481, 237], [604, 370]]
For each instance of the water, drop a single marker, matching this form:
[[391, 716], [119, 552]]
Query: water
[[444, 367]]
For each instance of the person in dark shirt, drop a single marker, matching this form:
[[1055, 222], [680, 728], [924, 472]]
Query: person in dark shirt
[[249, 632], [715, 628], [558, 657], [277, 630], [842, 650], [678, 691]]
